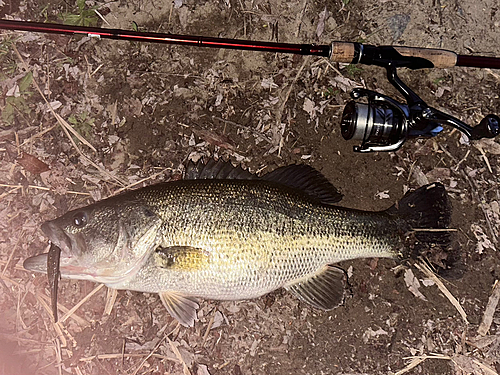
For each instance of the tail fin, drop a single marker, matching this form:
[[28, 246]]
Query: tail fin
[[426, 213]]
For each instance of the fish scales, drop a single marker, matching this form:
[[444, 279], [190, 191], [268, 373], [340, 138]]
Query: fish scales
[[229, 235], [256, 236]]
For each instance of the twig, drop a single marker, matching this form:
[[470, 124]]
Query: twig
[[110, 300], [77, 306], [12, 253], [255, 133], [150, 354], [431, 275], [210, 324], [177, 353], [16, 187], [285, 99], [140, 181], [119, 355], [489, 311], [78, 319]]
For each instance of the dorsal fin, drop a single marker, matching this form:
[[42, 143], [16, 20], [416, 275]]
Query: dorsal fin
[[301, 177], [306, 179], [216, 170]]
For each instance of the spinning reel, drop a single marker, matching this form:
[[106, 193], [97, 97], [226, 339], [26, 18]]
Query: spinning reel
[[384, 124]]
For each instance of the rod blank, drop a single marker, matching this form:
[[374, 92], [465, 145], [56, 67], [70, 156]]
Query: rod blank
[[345, 52]]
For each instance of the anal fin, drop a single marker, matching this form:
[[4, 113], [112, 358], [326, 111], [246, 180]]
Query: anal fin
[[181, 307], [325, 290]]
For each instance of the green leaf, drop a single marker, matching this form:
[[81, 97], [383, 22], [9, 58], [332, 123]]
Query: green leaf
[[8, 113], [25, 82]]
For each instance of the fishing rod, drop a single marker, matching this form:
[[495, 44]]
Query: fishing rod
[[380, 122]]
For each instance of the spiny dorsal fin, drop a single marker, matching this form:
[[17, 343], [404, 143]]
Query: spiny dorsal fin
[[306, 179], [181, 307], [325, 290], [300, 177], [216, 170]]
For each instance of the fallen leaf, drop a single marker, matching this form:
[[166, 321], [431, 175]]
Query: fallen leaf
[[323, 16], [483, 242], [413, 284], [488, 145], [32, 164]]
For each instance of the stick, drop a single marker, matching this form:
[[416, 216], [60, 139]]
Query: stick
[[425, 269], [485, 325]]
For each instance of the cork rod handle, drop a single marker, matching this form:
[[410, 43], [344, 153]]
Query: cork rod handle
[[347, 53]]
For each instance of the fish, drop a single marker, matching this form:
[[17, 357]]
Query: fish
[[223, 233]]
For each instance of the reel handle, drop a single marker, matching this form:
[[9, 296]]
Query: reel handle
[[489, 127]]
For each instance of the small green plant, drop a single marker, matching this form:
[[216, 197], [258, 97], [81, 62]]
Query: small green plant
[[353, 69], [7, 62], [17, 102], [83, 17], [83, 123], [330, 92], [437, 81]]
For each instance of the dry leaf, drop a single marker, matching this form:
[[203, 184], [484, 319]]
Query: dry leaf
[[323, 16], [488, 145], [413, 284], [32, 164]]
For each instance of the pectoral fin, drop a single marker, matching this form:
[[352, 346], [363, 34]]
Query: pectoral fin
[[325, 290], [181, 307], [182, 258]]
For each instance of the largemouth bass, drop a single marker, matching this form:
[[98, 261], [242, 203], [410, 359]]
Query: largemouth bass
[[226, 234]]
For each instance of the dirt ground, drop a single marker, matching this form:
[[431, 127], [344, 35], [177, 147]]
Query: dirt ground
[[146, 109]]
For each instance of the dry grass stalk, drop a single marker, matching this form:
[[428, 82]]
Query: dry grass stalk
[[57, 326], [431, 275], [57, 349], [285, 99], [485, 158], [12, 253], [10, 191], [67, 128], [110, 300], [140, 181], [177, 353], [475, 195], [78, 319], [37, 135], [415, 361], [485, 325], [77, 306], [207, 331], [149, 355], [17, 187], [120, 355]]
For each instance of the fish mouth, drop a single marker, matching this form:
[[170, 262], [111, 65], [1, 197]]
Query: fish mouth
[[63, 251], [57, 236]]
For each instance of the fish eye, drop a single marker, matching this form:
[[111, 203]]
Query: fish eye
[[80, 219]]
